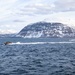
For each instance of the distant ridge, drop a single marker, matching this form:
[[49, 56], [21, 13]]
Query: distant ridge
[[46, 29]]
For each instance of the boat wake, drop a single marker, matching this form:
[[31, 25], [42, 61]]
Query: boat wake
[[28, 43]]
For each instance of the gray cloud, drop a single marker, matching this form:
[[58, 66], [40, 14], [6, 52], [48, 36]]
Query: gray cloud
[[33, 7], [37, 8], [46, 7], [22, 12], [64, 5]]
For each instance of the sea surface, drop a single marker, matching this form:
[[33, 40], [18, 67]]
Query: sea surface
[[43, 56]]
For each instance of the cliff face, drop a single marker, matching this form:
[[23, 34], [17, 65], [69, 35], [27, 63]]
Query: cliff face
[[44, 29]]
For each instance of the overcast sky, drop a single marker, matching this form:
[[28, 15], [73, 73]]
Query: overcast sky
[[16, 14]]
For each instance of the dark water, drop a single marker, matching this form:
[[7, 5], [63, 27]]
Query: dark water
[[37, 59]]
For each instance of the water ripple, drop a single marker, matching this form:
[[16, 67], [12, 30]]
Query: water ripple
[[43, 59]]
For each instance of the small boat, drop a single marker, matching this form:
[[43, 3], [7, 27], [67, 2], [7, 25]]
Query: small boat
[[7, 43]]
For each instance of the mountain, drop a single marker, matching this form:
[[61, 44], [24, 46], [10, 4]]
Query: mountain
[[9, 31], [46, 29], [7, 35]]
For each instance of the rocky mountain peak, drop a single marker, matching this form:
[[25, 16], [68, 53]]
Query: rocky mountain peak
[[47, 29]]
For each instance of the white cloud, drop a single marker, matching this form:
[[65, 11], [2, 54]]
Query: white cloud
[[15, 14]]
